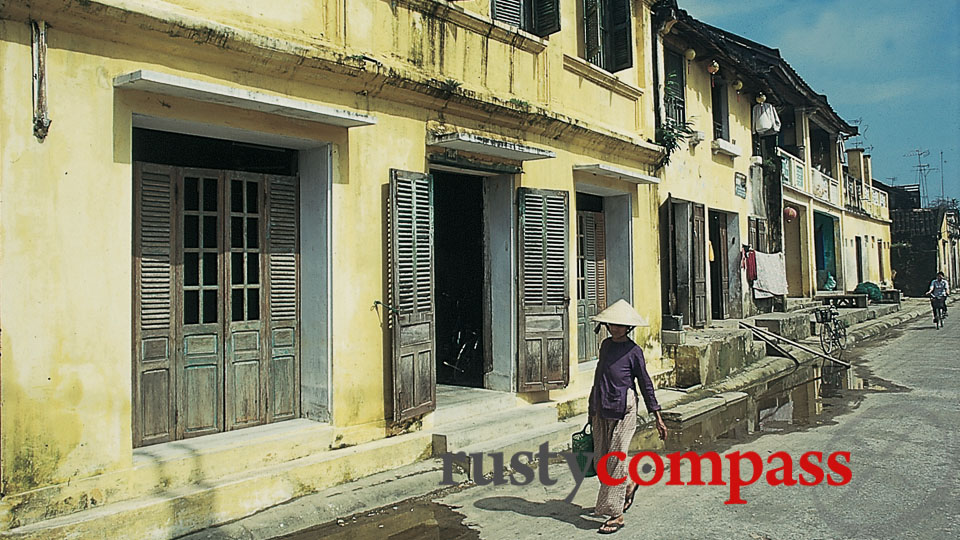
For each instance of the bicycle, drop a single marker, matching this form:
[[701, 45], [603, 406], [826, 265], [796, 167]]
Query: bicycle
[[939, 306], [833, 333]]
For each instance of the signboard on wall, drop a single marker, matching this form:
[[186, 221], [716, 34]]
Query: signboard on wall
[[740, 185]]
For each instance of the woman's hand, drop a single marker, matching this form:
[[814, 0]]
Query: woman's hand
[[661, 427]]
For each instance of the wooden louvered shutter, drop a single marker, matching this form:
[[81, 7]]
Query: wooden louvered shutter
[[283, 373], [546, 17], [699, 271], [544, 301], [153, 384], [592, 32], [412, 293], [621, 38], [601, 254], [508, 11]]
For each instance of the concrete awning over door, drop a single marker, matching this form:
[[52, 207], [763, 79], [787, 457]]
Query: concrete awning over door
[[177, 86]]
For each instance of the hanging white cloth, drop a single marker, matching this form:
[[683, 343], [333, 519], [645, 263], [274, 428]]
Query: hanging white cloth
[[771, 275], [766, 121]]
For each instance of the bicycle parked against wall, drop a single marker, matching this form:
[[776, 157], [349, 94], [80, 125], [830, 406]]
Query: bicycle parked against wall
[[833, 333]]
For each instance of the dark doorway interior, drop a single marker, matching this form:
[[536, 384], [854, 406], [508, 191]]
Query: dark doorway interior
[[859, 248], [719, 272], [459, 271], [204, 152]]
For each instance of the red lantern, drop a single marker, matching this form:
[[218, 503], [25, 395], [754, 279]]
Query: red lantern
[[789, 214]]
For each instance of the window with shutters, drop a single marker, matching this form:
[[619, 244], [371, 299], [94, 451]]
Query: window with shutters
[[607, 34], [216, 260], [591, 272], [757, 233], [721, 109], [674, 88], [539, 17]]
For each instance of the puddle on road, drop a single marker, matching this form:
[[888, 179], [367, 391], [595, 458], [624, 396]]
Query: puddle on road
[[810, 396], [409, 520]]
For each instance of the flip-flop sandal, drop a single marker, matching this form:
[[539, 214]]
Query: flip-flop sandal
[[610, 528], [628, 500]]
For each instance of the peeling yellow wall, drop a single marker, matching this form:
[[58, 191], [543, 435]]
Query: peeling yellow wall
[[872, 231], [697, 174], [66, 202]]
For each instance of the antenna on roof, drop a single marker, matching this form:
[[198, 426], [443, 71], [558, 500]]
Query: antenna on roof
[[923, 169]]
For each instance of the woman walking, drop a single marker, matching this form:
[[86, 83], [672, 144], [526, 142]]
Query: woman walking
[[613, 407]]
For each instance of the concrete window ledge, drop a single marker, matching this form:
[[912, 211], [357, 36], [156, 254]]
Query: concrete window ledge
[[601, 77], [725, 147]]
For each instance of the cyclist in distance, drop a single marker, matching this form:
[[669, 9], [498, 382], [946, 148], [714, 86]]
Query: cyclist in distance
[[939, 289]]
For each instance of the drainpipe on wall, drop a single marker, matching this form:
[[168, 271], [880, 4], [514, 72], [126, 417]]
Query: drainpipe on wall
[[41, 119]]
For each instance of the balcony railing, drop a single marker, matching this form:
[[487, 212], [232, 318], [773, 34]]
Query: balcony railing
[[791, 169], [795, 174], [853, 193]]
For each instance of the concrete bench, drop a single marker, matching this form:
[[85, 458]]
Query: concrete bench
[[890, 296], [850, 300]]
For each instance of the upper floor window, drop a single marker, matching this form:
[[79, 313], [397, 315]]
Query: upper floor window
[[607, 38], [539, 17], [721, 109], [674, 88]]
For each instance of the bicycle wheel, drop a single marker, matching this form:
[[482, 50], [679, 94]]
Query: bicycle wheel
[[826, 339], [839, 337]]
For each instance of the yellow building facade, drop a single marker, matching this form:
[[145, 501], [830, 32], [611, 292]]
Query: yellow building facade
[[218, 227], [713, 201]]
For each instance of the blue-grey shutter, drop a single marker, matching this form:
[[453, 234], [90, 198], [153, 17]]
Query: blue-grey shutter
[[546, 17], [283, 343], [411, 295], [621, 40], [154, 367], [544, 280], [508, 11]]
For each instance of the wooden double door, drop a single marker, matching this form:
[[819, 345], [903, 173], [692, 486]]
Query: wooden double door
[[216, 273]]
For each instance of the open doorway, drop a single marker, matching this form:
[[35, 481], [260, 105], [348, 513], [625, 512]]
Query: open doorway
[[459, 272], [824, 231], [719, 267], [793, 250]]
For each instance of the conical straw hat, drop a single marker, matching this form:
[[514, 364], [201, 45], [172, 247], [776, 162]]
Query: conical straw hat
[[620, 313]]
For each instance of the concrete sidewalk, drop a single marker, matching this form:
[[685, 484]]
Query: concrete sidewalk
[[423, 479]]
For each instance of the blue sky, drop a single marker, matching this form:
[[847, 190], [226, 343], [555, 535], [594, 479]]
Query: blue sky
[[893, 64]]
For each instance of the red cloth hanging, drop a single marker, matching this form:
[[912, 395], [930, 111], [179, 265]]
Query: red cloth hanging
[[751, 265]]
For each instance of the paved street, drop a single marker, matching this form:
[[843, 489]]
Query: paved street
[[899, 423], [901, 432]]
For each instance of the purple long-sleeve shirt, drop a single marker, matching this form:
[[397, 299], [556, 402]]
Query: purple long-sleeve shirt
[[620, 363]]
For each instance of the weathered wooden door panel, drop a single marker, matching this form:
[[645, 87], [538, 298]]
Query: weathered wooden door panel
[[284, 290], [544, 285], [154, 339], [412, 293], [592, 281], [720, 253], [200, 399], [246, 376], [216, 270], [699, 266]]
